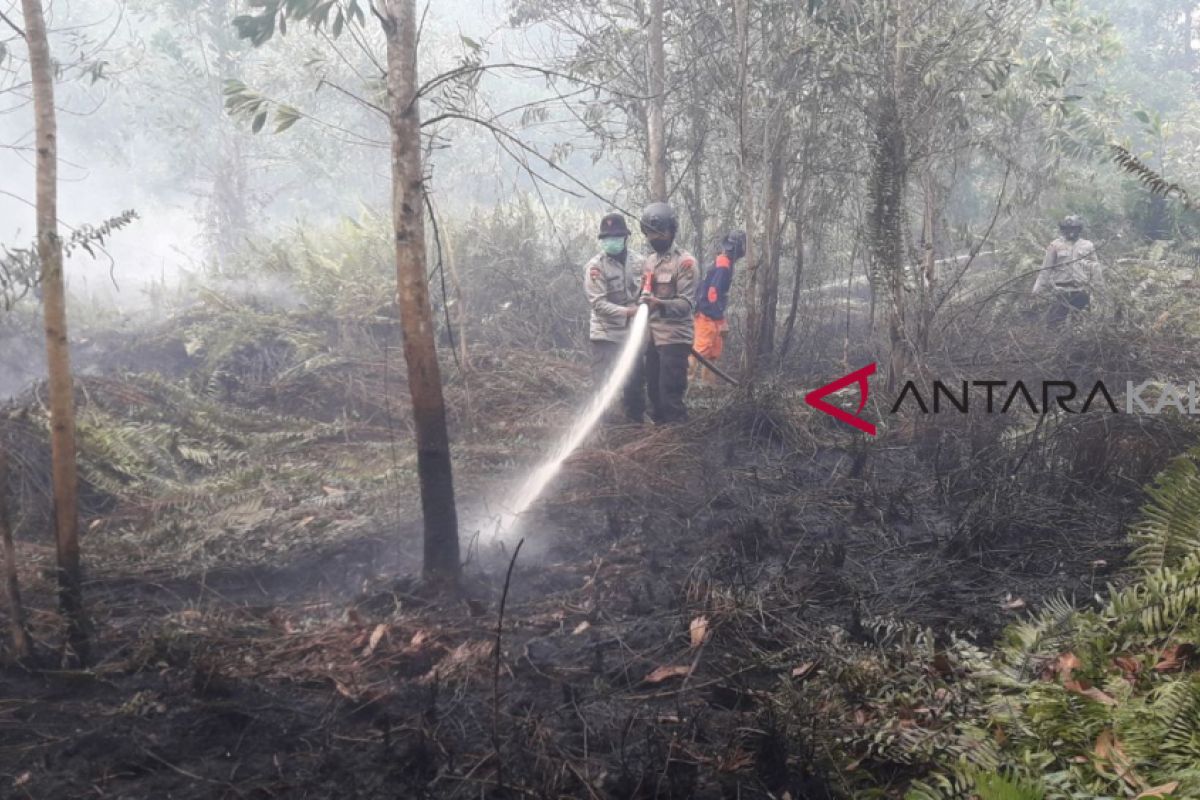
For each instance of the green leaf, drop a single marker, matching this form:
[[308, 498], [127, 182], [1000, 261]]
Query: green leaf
[[1142, 117], [285, 117], [471, 43], [259, 120], [338, 22]]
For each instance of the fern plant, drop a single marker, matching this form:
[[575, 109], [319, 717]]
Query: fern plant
[[1078, 703], [1170, 527], [1152, 180], [977, 785]]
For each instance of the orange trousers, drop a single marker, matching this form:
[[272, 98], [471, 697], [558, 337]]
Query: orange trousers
[[709, 343]]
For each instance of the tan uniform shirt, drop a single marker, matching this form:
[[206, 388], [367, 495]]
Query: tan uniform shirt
[[1070, 266], [611, 287], [674, 283]]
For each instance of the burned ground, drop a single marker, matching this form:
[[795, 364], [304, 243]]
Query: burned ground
[[687, 617]]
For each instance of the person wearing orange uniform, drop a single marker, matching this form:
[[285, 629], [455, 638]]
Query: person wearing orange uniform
[[712, 296]]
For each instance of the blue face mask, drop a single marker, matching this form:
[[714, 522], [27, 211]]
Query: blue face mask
[[613, 245]]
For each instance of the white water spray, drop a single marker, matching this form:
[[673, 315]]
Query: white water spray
[[536, 483]]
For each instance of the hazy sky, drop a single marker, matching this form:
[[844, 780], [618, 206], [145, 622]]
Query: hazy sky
[[97, 183]]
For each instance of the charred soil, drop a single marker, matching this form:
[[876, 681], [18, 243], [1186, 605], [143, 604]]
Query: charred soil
[[674, 585]]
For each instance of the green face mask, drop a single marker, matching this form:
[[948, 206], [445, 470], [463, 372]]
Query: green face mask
[[613, 245]]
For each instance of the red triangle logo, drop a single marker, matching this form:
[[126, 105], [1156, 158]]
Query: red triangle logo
[[816, 398]]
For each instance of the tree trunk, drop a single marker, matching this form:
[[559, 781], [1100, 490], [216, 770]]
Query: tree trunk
[[442, 566], [228, 213], [695, 198], [789, 327], [62, 393], [698, 211], [1189, 34], [773, 226], [741, 10], [929, 277], [655, 129], [888, 180], [12, 589], [928, 224], [460, 299]]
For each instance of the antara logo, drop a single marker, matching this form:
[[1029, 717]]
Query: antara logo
[[1001, 397], [816, 398]]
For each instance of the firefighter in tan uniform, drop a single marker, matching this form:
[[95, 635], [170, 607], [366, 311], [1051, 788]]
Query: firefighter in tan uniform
[[669, 287], [1070, 272], [611, 282]]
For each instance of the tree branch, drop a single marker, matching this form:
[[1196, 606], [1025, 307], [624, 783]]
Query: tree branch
[[500, 133], [352, 95], [12, 25], [458, 72]]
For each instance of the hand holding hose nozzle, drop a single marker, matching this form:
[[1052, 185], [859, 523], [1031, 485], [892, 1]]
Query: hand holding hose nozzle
[[647, 295], [647, 285]]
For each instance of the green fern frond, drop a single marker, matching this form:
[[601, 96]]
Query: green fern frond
[[979, 785], [1164, 602], [1170, 527], [1152, 180]]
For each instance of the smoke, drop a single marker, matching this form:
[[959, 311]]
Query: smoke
[[143, 132], [22, 361]]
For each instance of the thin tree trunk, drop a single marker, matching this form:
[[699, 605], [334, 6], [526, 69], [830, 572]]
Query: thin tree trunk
[[228, 215], [929, 268], [789, 326], [773, 226], [1189, 33], [460, 300], [696, 204], [741, 9], [655, 128], [777, 134], [889, 181], [12, 590], [801, 209], [890, 177], [442, 566], [62, 393], [698, 211], [927, 236]]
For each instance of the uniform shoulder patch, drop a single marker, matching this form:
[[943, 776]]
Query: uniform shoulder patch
[[595, 273], [687, 262]]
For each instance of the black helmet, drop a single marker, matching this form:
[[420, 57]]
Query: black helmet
[[613, 225], [659, 218], [1071, 222], [734, 244]]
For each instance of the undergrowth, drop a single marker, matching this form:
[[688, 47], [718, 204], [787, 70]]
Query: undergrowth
[[1094, 702]]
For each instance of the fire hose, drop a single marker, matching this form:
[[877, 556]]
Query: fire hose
[[713, 368], [646, 293]]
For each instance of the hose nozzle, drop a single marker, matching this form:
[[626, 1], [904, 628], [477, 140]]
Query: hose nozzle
[[647, 288]]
